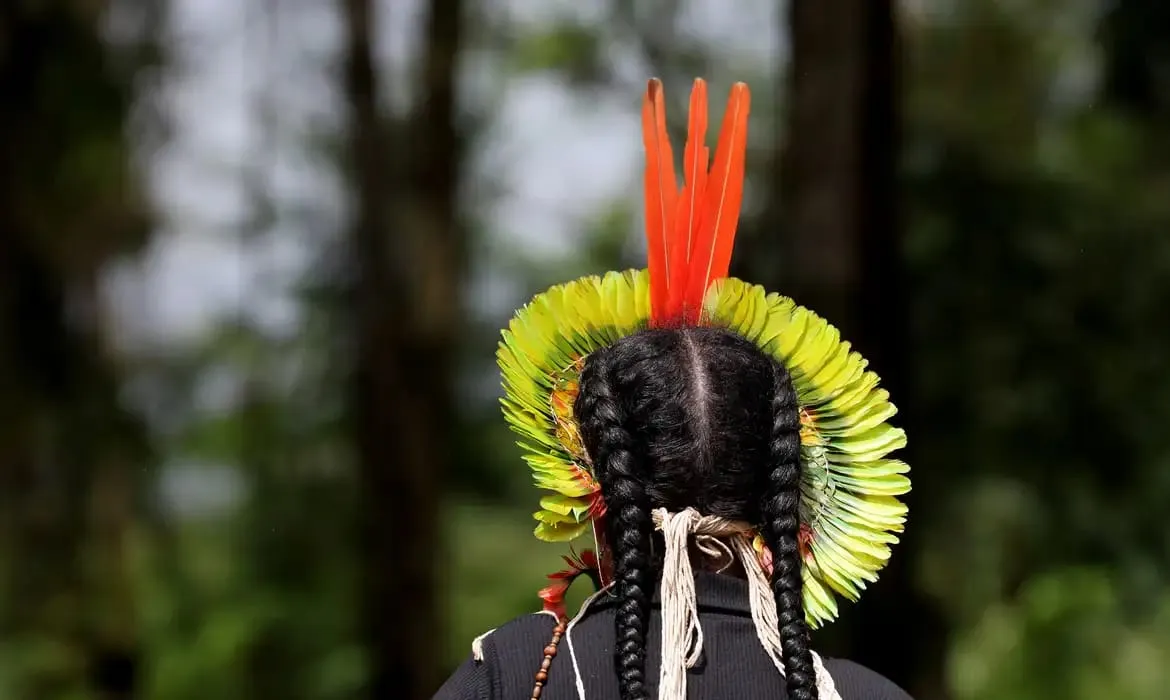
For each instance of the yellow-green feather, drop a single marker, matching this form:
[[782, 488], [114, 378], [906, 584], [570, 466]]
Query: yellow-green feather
[[566, 322], [849, 484]]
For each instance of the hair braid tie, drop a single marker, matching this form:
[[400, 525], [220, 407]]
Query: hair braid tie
[[682, 635]]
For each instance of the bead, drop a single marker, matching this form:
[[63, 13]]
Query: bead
[[550, 651]]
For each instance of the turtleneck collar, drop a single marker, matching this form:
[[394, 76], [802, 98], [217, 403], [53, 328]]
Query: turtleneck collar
[[714, 593]]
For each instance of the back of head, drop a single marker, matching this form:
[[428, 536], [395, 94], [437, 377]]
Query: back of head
[[694, 417]]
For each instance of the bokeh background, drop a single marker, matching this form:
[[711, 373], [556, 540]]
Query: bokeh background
[[255, 256]]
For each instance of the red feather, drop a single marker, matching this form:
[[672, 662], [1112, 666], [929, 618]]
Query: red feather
[[661, 192], [690, 203], [690, 234], [714, 237]]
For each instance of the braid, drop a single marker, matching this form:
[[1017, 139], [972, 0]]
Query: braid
[[622, 468], [781, 512]]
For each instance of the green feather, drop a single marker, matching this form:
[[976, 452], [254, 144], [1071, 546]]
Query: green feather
[[849, 484]]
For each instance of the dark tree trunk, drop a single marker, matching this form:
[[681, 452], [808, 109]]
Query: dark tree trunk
[[837, 207], [408, 252], [69, 457]]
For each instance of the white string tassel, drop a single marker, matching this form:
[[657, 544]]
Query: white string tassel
[[682, 635], [763, 603]]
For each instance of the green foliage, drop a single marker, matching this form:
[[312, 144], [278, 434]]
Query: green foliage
[[573, 50], [1072, 621]]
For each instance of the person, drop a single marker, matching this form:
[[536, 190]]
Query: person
[[728, 452]]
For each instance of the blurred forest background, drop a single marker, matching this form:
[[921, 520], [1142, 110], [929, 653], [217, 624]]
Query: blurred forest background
[[255, 256]]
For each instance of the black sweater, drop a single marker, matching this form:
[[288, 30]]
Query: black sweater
[[734, 664]]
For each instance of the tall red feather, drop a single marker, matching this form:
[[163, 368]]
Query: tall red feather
[[714, 237], [690, 235], [690, 203], [661, 192]]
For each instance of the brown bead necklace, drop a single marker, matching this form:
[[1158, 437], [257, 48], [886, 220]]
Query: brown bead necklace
[[550, 653]]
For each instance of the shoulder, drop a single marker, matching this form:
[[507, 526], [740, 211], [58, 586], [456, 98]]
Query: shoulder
[[533, 630], [856, 682], [499, 658]]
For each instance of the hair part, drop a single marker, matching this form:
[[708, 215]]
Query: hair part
[[694, 417]]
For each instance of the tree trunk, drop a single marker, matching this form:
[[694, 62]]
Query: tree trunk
[[408, 250], [68, 455], [837, 203], [41, 509]]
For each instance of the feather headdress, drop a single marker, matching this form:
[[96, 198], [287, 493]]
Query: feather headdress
[[850, 512]]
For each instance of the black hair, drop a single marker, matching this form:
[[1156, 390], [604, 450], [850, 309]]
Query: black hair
[[694, 417]]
